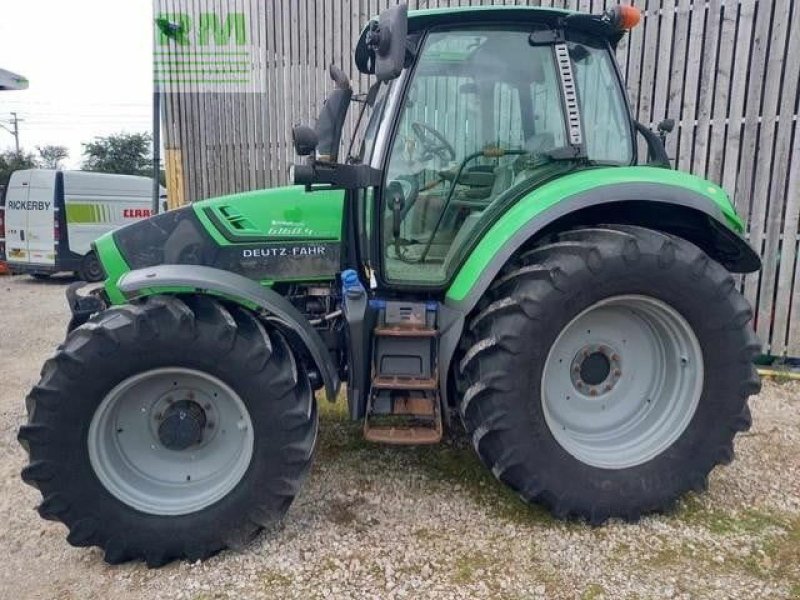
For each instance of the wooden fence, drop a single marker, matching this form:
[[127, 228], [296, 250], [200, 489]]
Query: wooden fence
[[726, 70]]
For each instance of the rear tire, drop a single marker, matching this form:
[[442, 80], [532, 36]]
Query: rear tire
[[522, 418], [104, 502], [91, 270]]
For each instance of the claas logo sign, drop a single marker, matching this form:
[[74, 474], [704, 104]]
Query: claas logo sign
[[136, 213]]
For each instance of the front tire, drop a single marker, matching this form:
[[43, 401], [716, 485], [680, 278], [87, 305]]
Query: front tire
[[170, 428], [607, 372]]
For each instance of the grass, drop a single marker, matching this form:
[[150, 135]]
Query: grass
[[470, 567], [593, 591], [750, 521]]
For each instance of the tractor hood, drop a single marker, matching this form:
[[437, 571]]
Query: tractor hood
[[279, 234]]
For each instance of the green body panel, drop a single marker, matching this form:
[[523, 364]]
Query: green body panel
[[277, 215], [546, 196], [283, 213], [114, 265]]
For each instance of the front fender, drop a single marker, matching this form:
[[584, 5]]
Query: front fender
[[208, 280]]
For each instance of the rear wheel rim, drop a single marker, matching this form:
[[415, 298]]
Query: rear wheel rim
[[139, 463], [622, 381]]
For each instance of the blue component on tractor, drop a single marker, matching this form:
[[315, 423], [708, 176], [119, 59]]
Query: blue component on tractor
[[377, 304], [351, 284], [431, 306]]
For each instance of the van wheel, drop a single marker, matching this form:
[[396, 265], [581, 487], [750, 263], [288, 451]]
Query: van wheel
[[91, 270]]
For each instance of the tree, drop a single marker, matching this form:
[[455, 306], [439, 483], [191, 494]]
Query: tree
[[122, 153], [11, 161], [51, 156]]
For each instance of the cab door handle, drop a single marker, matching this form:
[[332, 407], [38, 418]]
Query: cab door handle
[[22, 235]]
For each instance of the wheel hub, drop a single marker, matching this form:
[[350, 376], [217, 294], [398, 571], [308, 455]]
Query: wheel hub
[[595, 369], [182, 425]]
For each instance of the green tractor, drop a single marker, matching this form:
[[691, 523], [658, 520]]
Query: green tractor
[[487, 252]]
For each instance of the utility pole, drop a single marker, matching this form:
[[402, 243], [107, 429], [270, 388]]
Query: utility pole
[[15, 132]]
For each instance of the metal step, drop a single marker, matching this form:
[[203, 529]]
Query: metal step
[[404, 382], [415, 419], [403, 436], [401, 331], [403, 402]]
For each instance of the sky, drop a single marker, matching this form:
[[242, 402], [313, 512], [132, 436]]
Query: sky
[[89, 63]]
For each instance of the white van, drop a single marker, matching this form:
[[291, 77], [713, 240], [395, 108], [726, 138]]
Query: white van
[[52, 217]]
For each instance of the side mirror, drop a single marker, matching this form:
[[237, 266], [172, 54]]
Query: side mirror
[[305, 140], [386, 40], [666, 126]]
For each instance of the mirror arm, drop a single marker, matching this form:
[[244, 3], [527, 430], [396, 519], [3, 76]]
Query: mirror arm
[[336, 175], [656, 152]]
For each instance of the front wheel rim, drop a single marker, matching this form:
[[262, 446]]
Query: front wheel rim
[[151, 464], [622, 381]]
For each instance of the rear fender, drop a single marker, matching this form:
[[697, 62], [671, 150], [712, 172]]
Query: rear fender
[[236, 288], [669, 201], [651, 205]]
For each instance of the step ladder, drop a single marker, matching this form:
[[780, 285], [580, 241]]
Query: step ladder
[[403, 402]]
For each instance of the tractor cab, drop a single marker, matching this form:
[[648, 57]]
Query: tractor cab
[[471, 109]]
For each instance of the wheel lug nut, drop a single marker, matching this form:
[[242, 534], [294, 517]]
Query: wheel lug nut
[[593, 392], [617, 372], [615, 357]]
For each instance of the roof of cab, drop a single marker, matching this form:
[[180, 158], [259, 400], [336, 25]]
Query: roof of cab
[[434, 14], [419, 20]]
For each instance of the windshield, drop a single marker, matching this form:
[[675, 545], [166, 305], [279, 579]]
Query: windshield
[[484, 116]]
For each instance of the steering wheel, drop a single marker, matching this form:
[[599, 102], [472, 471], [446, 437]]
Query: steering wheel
[[433, 142]]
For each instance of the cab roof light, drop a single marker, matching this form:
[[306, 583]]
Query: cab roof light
[[624, 17]]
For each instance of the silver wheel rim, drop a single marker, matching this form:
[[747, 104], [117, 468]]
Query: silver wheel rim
[[622, 381], [132, 457]]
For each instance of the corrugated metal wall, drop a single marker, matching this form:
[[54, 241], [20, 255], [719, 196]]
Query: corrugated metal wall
[[726, 70]]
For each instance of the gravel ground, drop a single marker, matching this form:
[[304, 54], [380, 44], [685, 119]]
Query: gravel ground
[[419, 523]]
